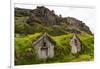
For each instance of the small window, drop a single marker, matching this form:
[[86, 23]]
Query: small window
[[44, 44], [75, 42]]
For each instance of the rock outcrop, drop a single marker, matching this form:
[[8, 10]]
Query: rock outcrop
[[45, 17]]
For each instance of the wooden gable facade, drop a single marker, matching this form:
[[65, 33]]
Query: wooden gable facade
[[75, 44], [44, 46]]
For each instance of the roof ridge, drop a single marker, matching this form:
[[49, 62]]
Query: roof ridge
[[44, 35]]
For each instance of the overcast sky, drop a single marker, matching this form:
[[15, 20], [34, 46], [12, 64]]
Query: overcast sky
[[87, 15]]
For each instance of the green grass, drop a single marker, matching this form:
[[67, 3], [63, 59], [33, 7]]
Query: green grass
[[62, 50]]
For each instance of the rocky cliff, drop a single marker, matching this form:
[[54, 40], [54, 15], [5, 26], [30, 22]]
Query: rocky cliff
[[47, 19]]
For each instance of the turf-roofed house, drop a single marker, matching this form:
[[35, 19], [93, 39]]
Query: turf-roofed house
[[75, 44], [44, 46]]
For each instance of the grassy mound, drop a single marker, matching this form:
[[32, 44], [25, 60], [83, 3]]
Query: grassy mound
[[62, 50]]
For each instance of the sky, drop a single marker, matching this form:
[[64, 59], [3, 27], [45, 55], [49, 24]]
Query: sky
[[81, 12]]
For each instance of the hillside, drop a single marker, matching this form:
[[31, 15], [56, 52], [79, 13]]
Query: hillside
[[30, 24], [62, 50], [42, 19]]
